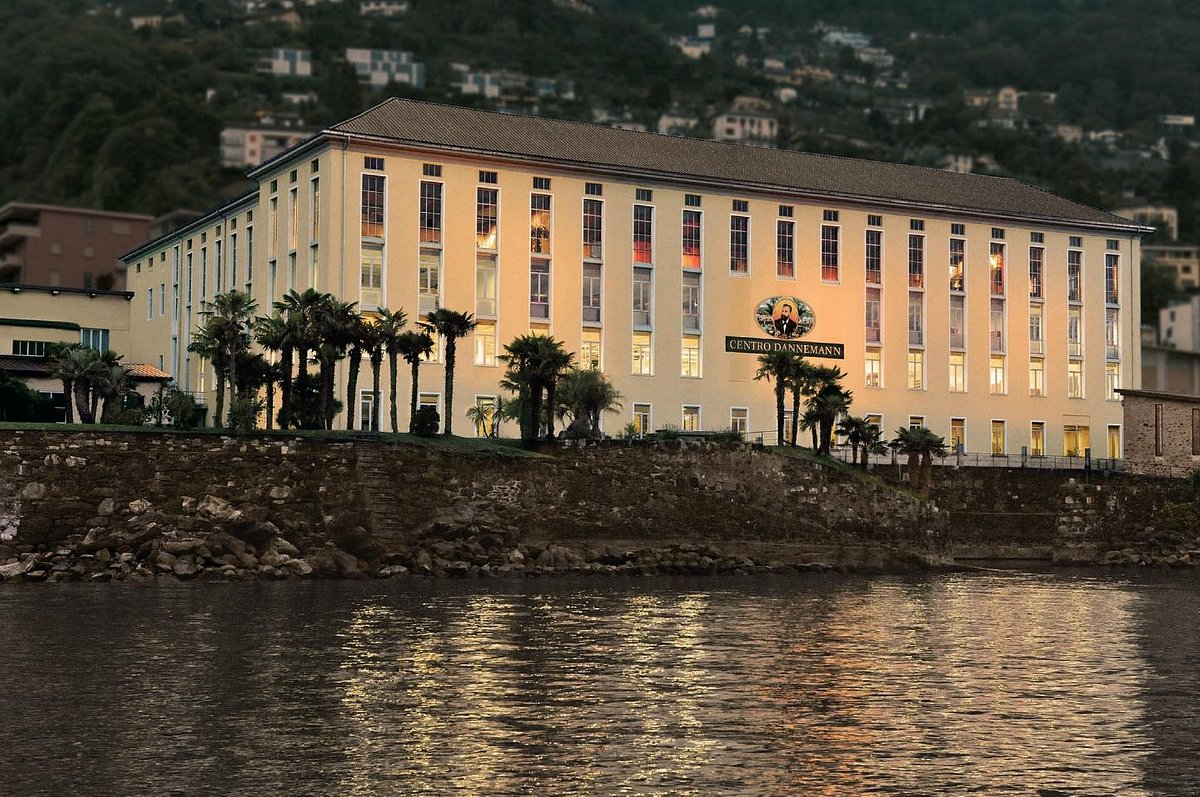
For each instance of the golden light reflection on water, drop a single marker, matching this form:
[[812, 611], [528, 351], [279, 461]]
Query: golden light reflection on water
[[822, 686]]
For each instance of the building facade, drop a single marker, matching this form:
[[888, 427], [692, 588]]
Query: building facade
[[66, 247], [1182, 260], [1163, 433], [1001, 316]]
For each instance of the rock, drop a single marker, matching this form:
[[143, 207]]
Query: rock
[[15, 569], [257, 532], [185, 567], [163, 561], [139, 505], [218, 510], [191, 545], [221, 543], [285, 547], [34, 491], [280, 493], [297, 567], [458, 570], [516, 557], [106, 507]]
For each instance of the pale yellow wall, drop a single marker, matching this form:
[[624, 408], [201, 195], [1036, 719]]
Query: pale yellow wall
[[728, 300], [103, 311]]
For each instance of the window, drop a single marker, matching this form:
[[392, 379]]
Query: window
[[741, 206], [539, 224], [998, 441], [95, 339], [873, 313], [642, 296], [958, 260], [1114, 437], [485, 343], [150, 304], [643, 195], [249, 259], [589, 351], [487, 208], [829, 252], [541, 183], [1074, 276], [691, 302], [593, 229], [739, 244], [485, 284], [431, 170], [1076, 440], [916, 369], [1075, 240], [204, 272], [691, 200], [916, 261], [1112, 333], [874, 256], [1037, 376], [593, 189], [429, 400], [691, 356], [642, 354], [1075, 331], [371, 279], [996, 374], [1036, 329], [643, 234], [372, 206], [1111, 266], [996, 263], [916, 421], [739, 420], [1112, 245], [998, 233], [874, 221], [431, 212], [873, 377], [30, 348], [958, 372], [1037, 439], [485, 422], [1159, 431], [1037, 237], [313, 264], [162, 298], [429, 281], [641, 418], [691, 239], [916, 318], [233, 262], [366, 410], [829, 215], [958, 229], [539, 288], [1112, 381], [293, 218], [958, 434], [219, 270], [487, 177], [591, 293], [691, 418], [958, 322], [996, 325], [1075, 379], [787, 211], [1036, 256]]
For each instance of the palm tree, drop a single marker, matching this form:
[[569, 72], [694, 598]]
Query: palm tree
[[226, 328], [482, 416], [831, 402], [872, 443], [534, 365], [112, 384], [301, 311], [357, 332], [274, 334], [206, 343], [921, 445], [336, 324], [800, 379], [855, 431], [391, 324], [585, 394], [450, 325], [81, 366], [64, 368], [776, 366], [413, 347], [811, 420]]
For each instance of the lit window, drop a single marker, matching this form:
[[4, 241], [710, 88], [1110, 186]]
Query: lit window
[[1075, 331], [996, 374], [1037, 376], [739, 244], [1036, 329], [642, 354], [539, 288], [1112, 381], [996, 264], [643, 234], [1076, 440], [1111, 268], [641, 418], [829, 252], [487, 204], [691, 356], [589, 350], [593, 229], [1112, 333], [1074, 276], [998, 441], [1075, 379], [916, 369], [1037, 439], [372, 208], [539, 224], [485, 343], [916, 261], [1036, 256], [739, 420], [874, 256], [691, 418], [958, 434], [874, 373], [431, 212], [958, 260], [958, 372], [691, 239], [785, 249]]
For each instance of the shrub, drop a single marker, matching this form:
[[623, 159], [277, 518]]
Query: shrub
[[243, 413], [426, 422], [668, 432], [726, 436], [631, 432]]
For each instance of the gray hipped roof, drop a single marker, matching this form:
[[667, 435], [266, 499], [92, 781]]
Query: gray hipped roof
[[634, 154]]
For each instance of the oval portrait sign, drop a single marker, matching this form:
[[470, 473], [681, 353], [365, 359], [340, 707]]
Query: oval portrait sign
[[784, 317]]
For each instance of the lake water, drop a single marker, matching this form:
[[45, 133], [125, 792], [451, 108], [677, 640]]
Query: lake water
[[1080, 683]]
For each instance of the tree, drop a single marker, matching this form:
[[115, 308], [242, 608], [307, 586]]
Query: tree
[[64, 369], [811, 421], [274, 334], [584, 395], [78, 367], [856, 431], [450, 325], [225, 335], [534, 364], [392, 325], [301, 310], [356, 337], [831, 402], [20, 403], [336, 324], [921, 445], [206, 343], [413, 347], [112, 384], [776, 367]]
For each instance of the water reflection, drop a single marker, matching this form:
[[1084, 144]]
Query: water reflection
[[1004, 684]]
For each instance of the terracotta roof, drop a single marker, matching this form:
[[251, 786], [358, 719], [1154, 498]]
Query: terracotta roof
[[147, 373], [637, 154], [39, 366]]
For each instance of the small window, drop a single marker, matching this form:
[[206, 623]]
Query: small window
[[830, 215], [314, 166], [203, 237], [249, 216], [431, 170], [373, 164], [593, 189], [541, 183], [874, 221], [691, 200], [487, 177], [917, 225], [644, 195], [162, 257], [958, 229], [292, 176], [1113, 245], [787, 211], [1075, 240], [274, 186], [1037, 238], [998, 233], [740, 206]]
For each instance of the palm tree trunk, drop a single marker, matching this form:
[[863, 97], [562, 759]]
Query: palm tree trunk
[[218, 420], [392, 389], [94, 403], [551, 389], [352, 385], [795, 414], [812, 430], [69, 399], [412, 404], [270, 402], [81, 401], [535, 413], [376, 367], [322, 405], [914, 470], [285, 386], [926, 472], [779, 395], [450, 355], [826, 434], [233, 385], [301, 383]]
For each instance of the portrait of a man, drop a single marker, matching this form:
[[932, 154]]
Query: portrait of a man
[[784, 317], [784, 320]]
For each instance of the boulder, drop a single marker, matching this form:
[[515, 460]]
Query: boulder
[[218, 510], [163, 561], [139, 505], [296, 567], [185, 567], [220, 543], [257, 532], [106, 507], [188, 545], [15, 569]]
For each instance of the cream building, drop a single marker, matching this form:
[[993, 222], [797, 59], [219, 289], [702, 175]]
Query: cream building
[[1001, 316]]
